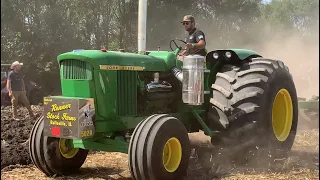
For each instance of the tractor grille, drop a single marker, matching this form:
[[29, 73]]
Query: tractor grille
[[76, 69], [127, 93]]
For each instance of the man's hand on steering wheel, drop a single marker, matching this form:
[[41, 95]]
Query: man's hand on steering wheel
[[190, 45], [174, 41]]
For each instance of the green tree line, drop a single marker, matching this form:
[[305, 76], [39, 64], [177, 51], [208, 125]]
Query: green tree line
[[35, 32]]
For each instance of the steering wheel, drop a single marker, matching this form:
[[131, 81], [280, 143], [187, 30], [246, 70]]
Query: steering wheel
[[174, 41]]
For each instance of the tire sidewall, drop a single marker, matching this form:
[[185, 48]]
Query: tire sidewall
[[283, 80], [171, 128], [57, 162]]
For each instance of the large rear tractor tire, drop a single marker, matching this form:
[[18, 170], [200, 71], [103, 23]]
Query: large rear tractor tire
[[255, 105], [159, 149], [53, 156]]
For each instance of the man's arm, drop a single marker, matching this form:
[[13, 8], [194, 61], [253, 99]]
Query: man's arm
[[183, 53], [201, 41], [199, 45]]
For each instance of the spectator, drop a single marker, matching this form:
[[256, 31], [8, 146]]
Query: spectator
[[16, 88]]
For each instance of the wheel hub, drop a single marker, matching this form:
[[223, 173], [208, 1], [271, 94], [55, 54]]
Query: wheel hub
[[66, 150], [172, 154], [282, 114]]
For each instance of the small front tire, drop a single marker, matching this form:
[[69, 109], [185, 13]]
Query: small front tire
[[159, 149], [53, 155]]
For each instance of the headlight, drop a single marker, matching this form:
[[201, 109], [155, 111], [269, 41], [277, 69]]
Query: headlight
[[228, 54], [215, 55]]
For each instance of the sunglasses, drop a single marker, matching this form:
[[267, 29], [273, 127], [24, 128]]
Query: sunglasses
[[185, 23]]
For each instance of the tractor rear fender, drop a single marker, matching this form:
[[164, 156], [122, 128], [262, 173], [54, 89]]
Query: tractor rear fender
[[236, 55]]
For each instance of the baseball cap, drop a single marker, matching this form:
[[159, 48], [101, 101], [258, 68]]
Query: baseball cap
[[188, 18], [15, 64]]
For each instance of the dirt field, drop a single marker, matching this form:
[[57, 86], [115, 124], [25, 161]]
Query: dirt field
[[14, 135], [302, 163]]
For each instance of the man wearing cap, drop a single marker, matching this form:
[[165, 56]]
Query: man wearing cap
[[16, 88], [195, 39]]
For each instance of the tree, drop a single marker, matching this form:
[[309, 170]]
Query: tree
[[36, 32]]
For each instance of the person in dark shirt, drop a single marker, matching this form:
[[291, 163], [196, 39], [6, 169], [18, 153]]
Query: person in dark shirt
[[196, 42], [16, 88]]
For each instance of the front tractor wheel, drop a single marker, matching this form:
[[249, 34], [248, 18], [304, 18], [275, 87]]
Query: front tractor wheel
[[256, 107], [159, 149], [54, 155]]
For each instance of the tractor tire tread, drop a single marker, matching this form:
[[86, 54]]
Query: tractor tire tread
[[40, 153], [143, 142], [237, 93], [225, 76]]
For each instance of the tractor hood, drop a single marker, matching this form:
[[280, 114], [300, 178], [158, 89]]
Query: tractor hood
[[153, 61]]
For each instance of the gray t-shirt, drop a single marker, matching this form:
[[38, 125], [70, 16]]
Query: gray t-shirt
[[194, 37], [16, 79]]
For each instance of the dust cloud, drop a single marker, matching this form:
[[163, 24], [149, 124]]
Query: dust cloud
[[301, 57], [300, 54]]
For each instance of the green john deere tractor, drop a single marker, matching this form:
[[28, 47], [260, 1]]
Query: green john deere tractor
[[146, 104]]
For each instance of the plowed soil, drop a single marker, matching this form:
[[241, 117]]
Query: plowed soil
[[14, 134], [16, 164]]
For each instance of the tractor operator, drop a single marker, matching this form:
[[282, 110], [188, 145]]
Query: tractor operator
[[196, 42], [16, 88]]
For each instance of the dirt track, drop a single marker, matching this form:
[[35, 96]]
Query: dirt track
[[14, 135], [302, 163]]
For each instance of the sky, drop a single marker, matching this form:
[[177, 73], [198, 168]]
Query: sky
[[266, 1]]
